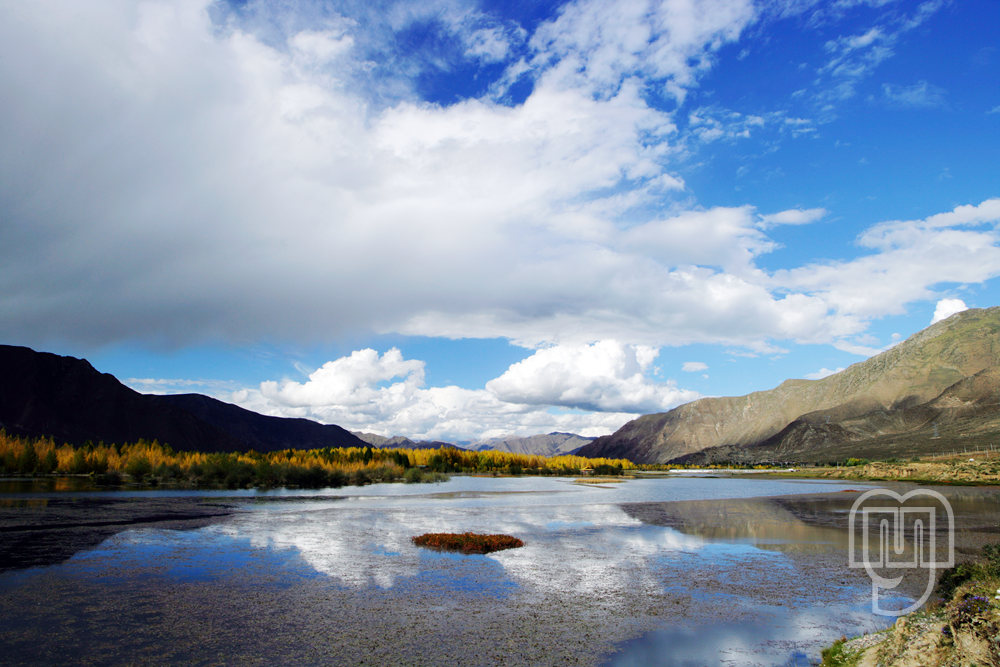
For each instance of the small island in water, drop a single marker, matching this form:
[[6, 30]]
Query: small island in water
[[467, 543]]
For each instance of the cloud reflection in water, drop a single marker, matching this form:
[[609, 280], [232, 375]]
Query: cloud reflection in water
[[569, 546]]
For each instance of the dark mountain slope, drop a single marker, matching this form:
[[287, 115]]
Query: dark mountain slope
[[43, 394], [257, 431]]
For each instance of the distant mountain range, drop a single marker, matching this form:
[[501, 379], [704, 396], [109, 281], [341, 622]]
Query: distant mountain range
[[44, 394], [937, 391], [550, 444], [401, 442]]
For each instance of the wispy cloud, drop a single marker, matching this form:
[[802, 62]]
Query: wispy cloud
[[597, 46], [854, 58], [822, 373], [919, 95], [794, 216], [709, 124], [180, 385]]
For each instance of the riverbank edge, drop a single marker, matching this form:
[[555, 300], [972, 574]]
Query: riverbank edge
[[954, 473], [963, 630]]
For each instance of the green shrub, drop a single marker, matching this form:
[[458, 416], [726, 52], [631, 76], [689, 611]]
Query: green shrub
[[836, 656], [336, 478], [78, 465], [27, 462], [987, 566], [138, 467], [48, 463]]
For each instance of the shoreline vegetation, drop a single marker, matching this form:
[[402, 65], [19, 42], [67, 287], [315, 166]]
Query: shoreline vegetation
[[971, 468], [963, 628], [153, 464]]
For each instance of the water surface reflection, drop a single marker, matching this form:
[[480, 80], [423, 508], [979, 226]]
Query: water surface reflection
[[652, 571]]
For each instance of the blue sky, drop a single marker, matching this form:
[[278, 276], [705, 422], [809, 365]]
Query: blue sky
[[459, 220]]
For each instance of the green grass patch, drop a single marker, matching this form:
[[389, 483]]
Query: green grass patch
[[838, 656]]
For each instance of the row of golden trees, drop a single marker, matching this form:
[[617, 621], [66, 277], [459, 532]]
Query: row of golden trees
[[153, 463]]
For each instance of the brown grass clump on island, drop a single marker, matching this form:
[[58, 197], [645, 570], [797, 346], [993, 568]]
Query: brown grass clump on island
[[602, 480], [467, 543]]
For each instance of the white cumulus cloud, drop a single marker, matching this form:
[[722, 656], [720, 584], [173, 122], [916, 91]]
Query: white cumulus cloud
[[353, 381], [946, 308], [606, 375], [590, 390]]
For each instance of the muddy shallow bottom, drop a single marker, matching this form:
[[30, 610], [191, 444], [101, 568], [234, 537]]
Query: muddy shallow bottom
[[658, 571]]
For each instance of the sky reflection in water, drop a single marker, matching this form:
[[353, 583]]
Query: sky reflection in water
[[727, 573], [577, 537]]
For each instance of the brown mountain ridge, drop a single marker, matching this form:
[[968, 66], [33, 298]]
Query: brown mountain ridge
[[935, 391]]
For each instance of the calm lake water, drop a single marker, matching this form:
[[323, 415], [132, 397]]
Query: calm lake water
[[667, 571]]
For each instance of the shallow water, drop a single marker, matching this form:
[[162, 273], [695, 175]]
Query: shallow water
[[669, 571]]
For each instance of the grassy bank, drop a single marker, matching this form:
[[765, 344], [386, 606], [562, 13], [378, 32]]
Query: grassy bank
[[971, 468], [153, 464], [962, 629]]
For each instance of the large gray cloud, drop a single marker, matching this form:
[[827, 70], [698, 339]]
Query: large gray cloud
[[169, 178]]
